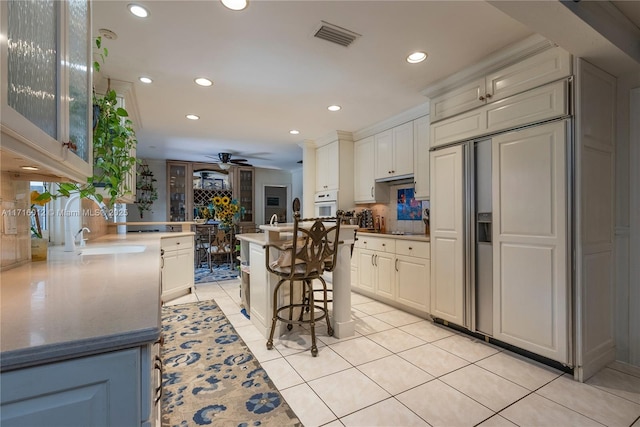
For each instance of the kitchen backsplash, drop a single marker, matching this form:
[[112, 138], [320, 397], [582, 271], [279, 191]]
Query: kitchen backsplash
[[390, 212]]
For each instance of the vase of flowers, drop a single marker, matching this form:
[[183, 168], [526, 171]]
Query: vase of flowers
[[227, 211], [39, 246]]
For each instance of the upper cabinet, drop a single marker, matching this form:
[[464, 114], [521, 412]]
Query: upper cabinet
[[421, 158], [536, 70], [327, 158], [366, 189], [46, 102], [394, 152]]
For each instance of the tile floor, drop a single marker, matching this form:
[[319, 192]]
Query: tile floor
[[400, 370]]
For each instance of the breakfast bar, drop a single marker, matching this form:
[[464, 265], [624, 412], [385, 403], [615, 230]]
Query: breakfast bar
[[261, 283]]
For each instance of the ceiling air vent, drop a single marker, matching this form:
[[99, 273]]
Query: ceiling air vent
[[334, 34]]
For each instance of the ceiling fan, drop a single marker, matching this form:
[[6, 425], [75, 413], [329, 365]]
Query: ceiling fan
[[226, 161]]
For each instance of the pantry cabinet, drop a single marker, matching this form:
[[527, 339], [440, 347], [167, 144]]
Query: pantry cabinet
[[46, 108], [394, 152], [367, 190], [536, 70], [177, 266]]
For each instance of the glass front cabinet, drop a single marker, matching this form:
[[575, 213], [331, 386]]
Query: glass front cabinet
[[179, 191], [46, 82], [244, 195]]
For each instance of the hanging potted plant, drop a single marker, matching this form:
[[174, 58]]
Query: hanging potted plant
[[114, 140]]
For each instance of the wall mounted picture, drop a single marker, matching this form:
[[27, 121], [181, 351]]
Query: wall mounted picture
[[409, 209]]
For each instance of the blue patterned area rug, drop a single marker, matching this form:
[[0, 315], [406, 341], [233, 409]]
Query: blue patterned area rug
[[219, 273], [211, 377]]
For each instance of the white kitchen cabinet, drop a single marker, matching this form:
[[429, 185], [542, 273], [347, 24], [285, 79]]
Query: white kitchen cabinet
[[541, 68], [395, 271], [327, 161], [177, 266], [421, 158], [447, 235], [106, 389], [46, 108], [536, 105], [366, 189], [394, 152]]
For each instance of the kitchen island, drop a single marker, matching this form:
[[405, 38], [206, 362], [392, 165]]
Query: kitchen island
[[80, 334], [261, 283]]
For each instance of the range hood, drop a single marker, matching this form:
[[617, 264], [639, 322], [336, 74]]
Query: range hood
[[398, 179]]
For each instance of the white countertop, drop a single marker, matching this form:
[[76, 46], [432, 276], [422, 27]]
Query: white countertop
[[73, 305], [418, 237]]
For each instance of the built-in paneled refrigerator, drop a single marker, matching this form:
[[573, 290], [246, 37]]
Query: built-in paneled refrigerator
[[499, 232]]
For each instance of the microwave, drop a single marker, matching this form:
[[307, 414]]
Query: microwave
[[326, 203]]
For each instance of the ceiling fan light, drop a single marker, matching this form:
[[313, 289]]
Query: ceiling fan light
[[234, 4], [416, 57], [203, 81], [224, 166]]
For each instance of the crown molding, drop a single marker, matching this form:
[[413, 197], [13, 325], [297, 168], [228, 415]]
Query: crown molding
[[338, 135], [507, 56]]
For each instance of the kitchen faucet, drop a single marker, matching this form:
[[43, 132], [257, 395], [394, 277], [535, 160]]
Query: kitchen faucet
[[83, 241], [70, 239], [274, 219]]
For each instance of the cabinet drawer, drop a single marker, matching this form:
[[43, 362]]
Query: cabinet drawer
[[413, 248], [175, 243], [377, 244]]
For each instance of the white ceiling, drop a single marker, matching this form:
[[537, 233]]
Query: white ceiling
[[271, 75]]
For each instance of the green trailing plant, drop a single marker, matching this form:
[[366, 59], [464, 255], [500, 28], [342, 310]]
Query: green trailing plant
[[114, 140]]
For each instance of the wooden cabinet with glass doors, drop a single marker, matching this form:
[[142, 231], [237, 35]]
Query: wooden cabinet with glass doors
[[191, 186]]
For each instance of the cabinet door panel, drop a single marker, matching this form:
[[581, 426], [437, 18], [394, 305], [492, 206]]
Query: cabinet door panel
[[547, 66], [459, 100], [384, 154], [412, 282], [98, 390], [367, 270], [421, 158], [530, 240], [459, 128], [385, 275], [364, 179], [447, 234], [403, 149]]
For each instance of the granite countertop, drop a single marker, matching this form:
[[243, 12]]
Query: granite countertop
[[76, 305]]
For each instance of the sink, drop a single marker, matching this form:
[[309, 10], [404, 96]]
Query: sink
[[108, 250]]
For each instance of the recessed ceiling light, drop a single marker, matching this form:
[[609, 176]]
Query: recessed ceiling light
[[146, 80], [334, 108], [234, 4], [192, 117], [202, 81], [30, 168], [416, 57], [138, 10], [294, 132]]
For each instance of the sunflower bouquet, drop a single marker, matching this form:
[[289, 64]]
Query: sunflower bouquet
[[226, 210]]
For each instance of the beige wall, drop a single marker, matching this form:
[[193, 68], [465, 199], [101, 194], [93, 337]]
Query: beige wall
[[15, 247]]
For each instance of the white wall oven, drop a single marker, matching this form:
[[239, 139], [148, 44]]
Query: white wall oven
[[326, 203]]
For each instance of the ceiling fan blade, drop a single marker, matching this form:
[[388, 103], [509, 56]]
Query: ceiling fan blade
[[237, 161]]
